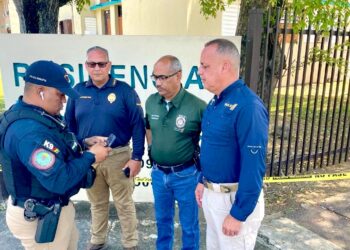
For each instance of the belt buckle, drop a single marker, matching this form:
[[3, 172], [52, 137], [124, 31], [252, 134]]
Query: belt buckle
[[216, 187], [29, 214], [225, 189]]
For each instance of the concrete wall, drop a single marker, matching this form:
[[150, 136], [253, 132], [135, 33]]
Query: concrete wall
[[164, 17]]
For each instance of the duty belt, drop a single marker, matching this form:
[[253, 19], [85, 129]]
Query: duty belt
[[220, 188], [174, 168], [34, 208]]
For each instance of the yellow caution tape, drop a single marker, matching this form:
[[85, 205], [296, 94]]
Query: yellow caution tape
[[311, 177], [144, 181]]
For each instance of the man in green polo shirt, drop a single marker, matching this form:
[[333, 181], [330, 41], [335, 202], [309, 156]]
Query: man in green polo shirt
[[173, 126]]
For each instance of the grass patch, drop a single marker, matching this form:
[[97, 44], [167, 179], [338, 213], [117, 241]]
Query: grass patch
[[306, 121]]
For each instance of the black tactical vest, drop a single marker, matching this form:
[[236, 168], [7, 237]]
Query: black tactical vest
[[19, 182]]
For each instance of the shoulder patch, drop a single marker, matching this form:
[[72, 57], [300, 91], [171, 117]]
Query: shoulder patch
[[50, 146], [42, 159]]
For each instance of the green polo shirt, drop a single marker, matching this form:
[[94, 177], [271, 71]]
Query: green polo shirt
[[175, 133]]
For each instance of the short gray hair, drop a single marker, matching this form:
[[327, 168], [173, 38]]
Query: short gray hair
[[175, 64], [100, 49], [226, 47]]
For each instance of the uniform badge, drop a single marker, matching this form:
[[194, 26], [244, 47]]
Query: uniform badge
[[254, 149], [231, 106], [111, 97], [180, 123], [154, 117], [50, 146], [42, 159]]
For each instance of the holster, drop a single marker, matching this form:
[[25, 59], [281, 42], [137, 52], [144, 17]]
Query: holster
[[47, 224], [196, 160], [88, 179]]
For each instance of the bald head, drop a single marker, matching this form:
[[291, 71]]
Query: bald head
[[172, 61], [219, 65], [226, 48], [167, 75]]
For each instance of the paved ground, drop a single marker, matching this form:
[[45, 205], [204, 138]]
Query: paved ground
[[320, 222]]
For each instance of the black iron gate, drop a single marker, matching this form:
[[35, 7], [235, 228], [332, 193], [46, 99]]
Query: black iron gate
[[304, 80]]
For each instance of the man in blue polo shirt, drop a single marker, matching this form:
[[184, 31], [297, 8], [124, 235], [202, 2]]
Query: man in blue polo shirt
[[108, 106], [234, 139]]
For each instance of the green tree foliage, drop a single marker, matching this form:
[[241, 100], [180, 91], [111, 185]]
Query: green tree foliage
[[321, 14]]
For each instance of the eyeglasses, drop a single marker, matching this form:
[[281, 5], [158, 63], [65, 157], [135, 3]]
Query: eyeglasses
[[162, 77], [93, 64]]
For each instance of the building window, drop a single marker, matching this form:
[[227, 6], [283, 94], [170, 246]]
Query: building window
[[66, 26]]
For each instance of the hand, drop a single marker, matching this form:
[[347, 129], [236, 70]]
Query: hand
[[135, 167], [100, 152], [231, 226], [95, 140], [199, 194]]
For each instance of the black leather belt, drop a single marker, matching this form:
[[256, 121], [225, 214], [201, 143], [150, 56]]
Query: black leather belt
[[176, 168], [21, 201]]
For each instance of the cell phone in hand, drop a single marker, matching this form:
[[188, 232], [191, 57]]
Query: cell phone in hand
[[110, 140], [127, 172]]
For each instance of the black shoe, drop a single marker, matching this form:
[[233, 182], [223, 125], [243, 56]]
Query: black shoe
[[131, 248], [97, 246]]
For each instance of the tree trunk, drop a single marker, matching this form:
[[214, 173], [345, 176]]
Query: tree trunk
[[243, 13], [38, 16], [48, 15], [242, 28]]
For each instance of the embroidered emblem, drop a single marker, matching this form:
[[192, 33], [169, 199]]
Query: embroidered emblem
[[254, 149], [42, 159], [111, 97], [50, 146], [154, 117], [231, 106], [180, 121]]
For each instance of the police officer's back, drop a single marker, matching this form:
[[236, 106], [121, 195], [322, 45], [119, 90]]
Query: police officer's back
[[43, 165]]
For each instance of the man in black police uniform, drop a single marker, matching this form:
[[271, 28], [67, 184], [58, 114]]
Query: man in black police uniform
[[42, 164]]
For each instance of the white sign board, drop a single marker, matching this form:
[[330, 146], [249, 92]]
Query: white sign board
[[132, 58]]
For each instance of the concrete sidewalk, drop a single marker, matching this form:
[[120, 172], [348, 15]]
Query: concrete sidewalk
[[276, 232], [147, 229], [320, 224]]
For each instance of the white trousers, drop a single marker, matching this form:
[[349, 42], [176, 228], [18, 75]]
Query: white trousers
[[66, 235], [216, 206]]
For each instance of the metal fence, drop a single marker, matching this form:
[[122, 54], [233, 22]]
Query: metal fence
[[306, 94]]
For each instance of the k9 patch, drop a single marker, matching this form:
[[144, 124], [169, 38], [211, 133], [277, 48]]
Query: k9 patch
[[49, 145], [42, 159]]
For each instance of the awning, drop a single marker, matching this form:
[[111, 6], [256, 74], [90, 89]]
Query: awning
[[105, 4]]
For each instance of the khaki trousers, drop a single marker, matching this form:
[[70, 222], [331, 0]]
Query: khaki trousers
[[66, 235], [109, 176]]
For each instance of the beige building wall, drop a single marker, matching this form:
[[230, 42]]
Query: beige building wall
[[140, 17], [164, 17], [69, 11]]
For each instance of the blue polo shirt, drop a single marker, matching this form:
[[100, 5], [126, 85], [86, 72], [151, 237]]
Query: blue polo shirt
[[114, 108], [234, 140]]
